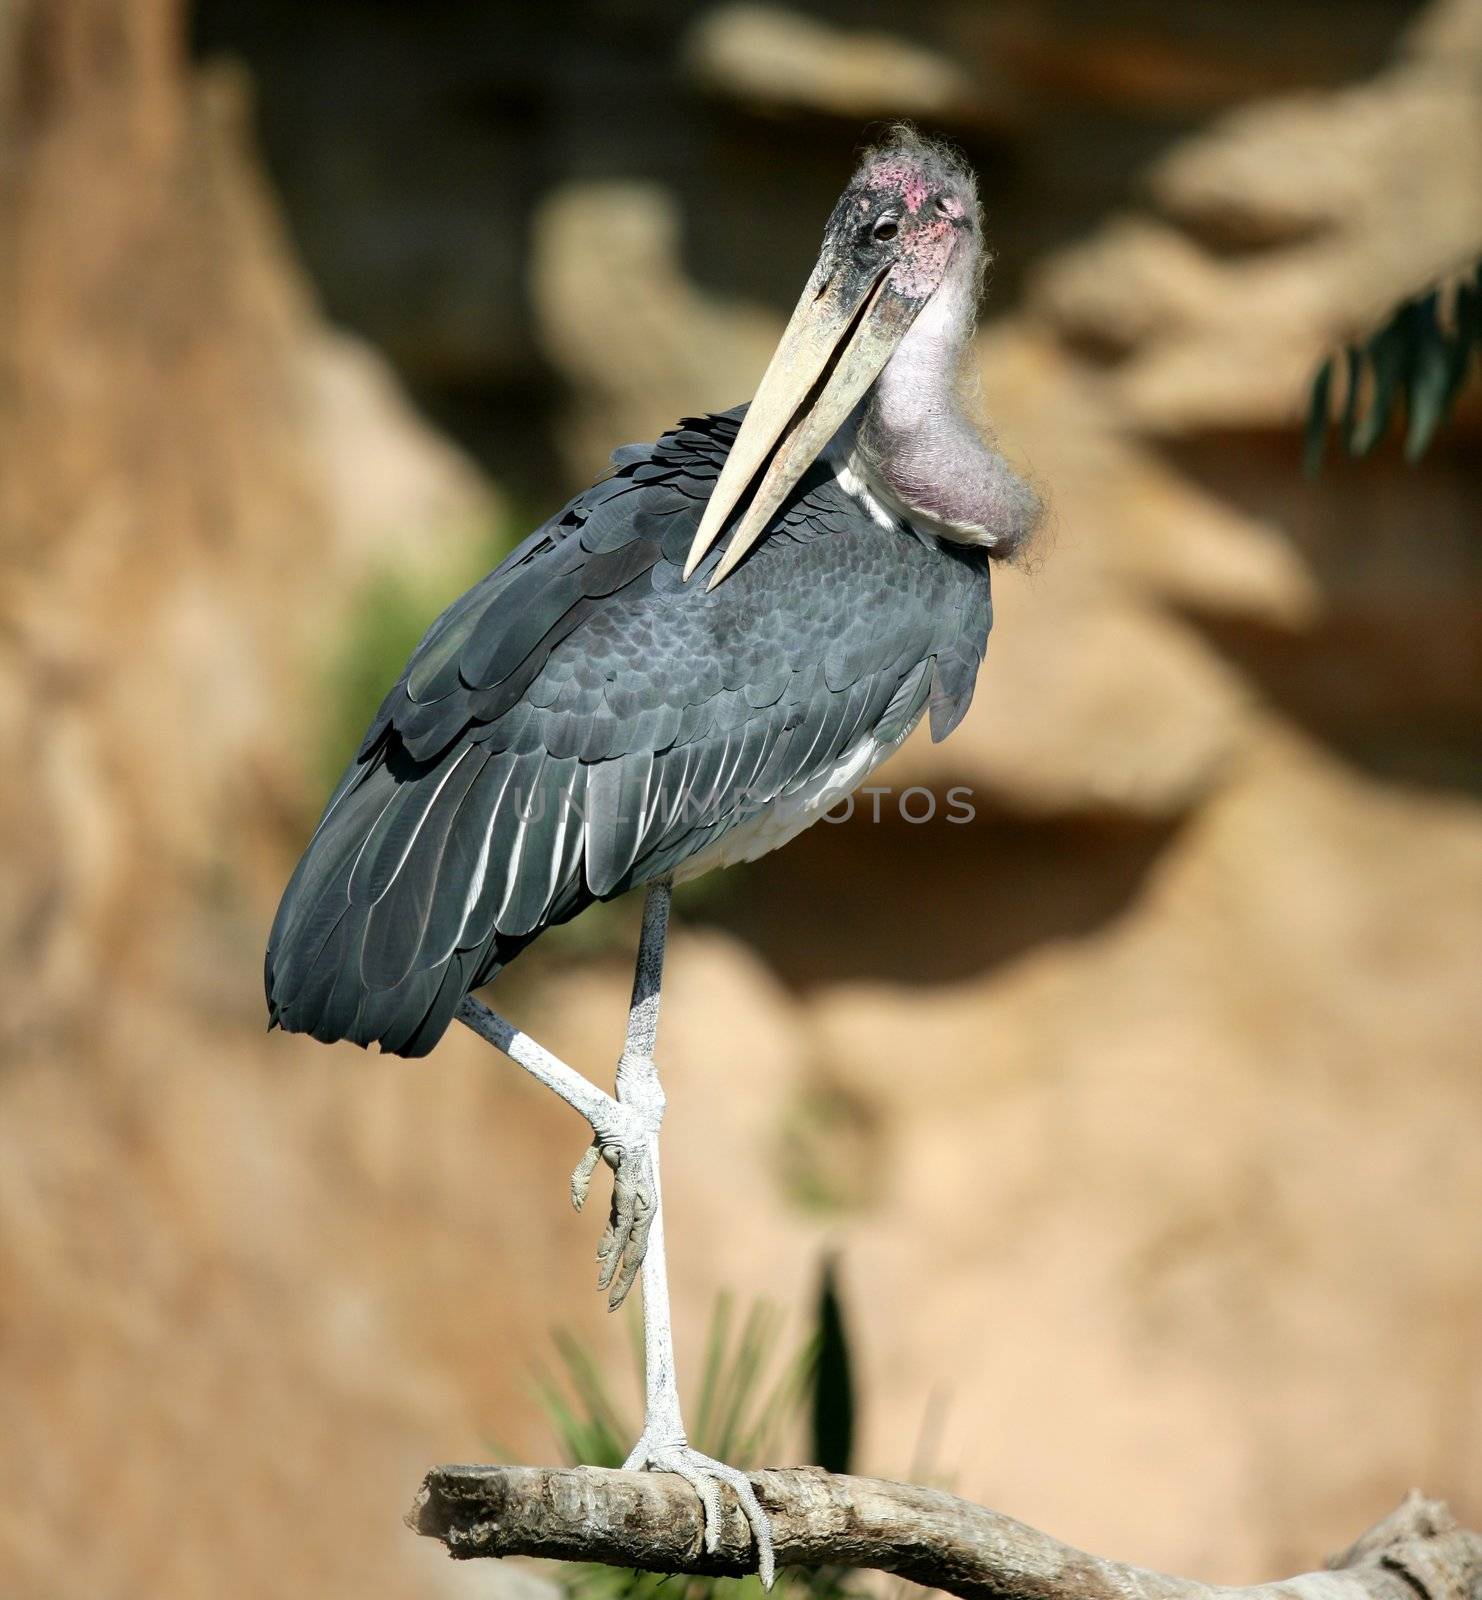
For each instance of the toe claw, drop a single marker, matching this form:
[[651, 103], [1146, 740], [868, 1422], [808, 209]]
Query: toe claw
[[634, 1206], [705, 1477], [761, 1532], [581, 1177], [709, 1495], [634, 1248], [622, 1137]]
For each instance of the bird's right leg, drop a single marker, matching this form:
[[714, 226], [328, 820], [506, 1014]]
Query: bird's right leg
[[625, 1134], [622, 1135], [664, 1445]]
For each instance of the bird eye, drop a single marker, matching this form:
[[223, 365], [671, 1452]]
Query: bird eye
[[886, 228]]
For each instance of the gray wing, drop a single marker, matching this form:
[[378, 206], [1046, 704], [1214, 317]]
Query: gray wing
[[580, 721]]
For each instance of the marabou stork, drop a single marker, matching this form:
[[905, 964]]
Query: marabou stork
[[603, 710]]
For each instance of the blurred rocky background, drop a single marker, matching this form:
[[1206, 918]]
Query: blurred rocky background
[[1145, 1109]]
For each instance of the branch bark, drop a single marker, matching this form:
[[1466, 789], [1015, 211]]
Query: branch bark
[[653, 1521]]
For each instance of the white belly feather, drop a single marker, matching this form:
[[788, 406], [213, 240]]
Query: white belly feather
[[772, 825]]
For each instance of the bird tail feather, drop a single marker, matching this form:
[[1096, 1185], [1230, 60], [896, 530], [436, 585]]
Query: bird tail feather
[[361, 948]]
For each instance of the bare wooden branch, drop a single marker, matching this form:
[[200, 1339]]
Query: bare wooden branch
[[653, 1521]]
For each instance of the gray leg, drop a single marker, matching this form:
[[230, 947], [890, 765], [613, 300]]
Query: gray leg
[[626, 1136], [619, 1134], [634, 1160], [663, 1446], [578, 1092]]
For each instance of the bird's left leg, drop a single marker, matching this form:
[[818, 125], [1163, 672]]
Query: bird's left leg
[[619, 1133], [636, 1235]]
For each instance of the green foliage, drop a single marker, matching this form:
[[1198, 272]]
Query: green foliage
[[1420, 356], [380, 628], [753, 1401]]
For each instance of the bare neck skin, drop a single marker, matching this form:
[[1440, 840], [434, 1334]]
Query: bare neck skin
[[918, 444]]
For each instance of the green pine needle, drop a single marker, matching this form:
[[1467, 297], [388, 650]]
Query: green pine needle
[[1420, 357], [755, 1400]]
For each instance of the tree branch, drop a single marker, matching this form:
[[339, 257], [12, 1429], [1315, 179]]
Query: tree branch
[[653, 1521]]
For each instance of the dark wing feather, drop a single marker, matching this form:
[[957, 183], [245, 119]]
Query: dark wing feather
[[582, 720], [397, 922]]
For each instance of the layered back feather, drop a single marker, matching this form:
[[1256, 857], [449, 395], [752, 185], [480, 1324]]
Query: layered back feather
[[581, 721]]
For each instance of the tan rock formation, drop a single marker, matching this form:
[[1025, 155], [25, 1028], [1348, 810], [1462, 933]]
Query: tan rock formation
[[771, 56], [1194, 1168], [1323, 211], [1141, 1107], [195, 476]]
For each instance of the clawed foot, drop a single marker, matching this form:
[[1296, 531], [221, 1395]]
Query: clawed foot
[[705, 1477], [623, 1143]]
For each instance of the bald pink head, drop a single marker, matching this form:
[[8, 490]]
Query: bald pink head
[[912, 205]]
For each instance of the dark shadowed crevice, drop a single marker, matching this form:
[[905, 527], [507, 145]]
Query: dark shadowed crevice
[[1388, 673], [937, 901]]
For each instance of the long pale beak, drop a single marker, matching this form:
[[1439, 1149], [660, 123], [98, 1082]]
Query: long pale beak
[[841, 334]]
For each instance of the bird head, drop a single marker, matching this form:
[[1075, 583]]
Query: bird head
[[907, 224]]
